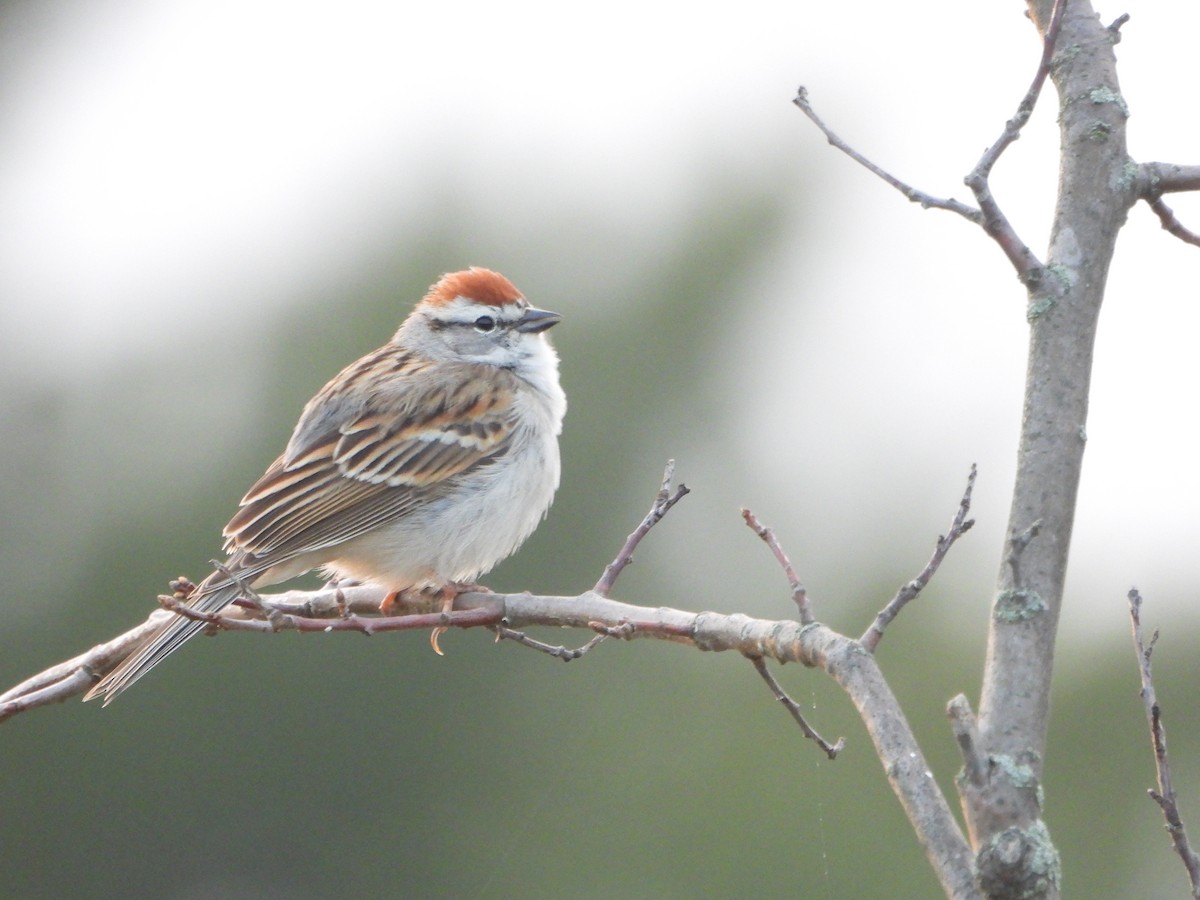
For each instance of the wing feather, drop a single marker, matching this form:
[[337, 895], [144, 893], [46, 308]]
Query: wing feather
[[351, 467]]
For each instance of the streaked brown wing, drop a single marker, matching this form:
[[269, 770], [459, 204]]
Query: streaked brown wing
[[372, 468]]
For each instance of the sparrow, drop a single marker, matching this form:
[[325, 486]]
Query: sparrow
[[417, 468]]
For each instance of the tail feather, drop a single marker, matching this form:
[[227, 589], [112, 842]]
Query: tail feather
[[212, 595]]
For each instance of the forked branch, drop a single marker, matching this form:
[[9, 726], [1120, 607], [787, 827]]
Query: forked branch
[[988, 213]]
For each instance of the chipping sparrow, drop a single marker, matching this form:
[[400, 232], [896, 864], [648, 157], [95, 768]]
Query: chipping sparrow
[[420, 466]]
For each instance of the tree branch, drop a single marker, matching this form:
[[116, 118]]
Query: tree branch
[[995, 223], [76, 675], [988, 214], [1171, 224], [1156, 178], [558, 651], [1095, 191], [927, 201], [1015, 852], [959, 526], [1165, 795], [799, 593], [335, 608], [831, 750], [663, 502]]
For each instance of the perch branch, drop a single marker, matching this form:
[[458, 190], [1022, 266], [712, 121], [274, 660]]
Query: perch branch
[[1165, 795], [349, 609], [335, 608], [271, 619], [663, 502], [959, 526], [799, 594], [74, 676]]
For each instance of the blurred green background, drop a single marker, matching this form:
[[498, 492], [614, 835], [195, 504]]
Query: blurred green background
[[735, 296]]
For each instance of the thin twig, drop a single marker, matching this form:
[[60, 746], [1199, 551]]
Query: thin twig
[[831, 750], [927, 201], [958, 527], [663, 501], [24, 697], [995, 223], [799, 594], [566, 654], [1172, 224], [1165, 795], [624, 630], [1012, 128]]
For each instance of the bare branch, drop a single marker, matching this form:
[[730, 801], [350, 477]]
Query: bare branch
[[995, 223], [1155, 179], [1171, 224], [323, 611], [356, 609], [831, 750], [74, 676], [1165, 795], [988, 215], [663, 502], [558, 652], [927, 201], [273, 620], [799, 594], [958, 527], [1012, 128]]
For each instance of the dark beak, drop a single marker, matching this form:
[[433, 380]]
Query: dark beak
[[536, 320]]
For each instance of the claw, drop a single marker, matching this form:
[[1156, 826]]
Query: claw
[[449, 592]]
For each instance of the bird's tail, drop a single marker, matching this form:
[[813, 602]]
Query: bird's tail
[[212, 595]]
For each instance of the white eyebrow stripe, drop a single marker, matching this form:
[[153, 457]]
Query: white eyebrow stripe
[[464, 311]]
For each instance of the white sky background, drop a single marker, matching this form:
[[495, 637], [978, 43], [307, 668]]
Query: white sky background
[[168, 162]]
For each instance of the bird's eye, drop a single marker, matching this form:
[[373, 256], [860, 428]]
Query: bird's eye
[[485, 324]]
